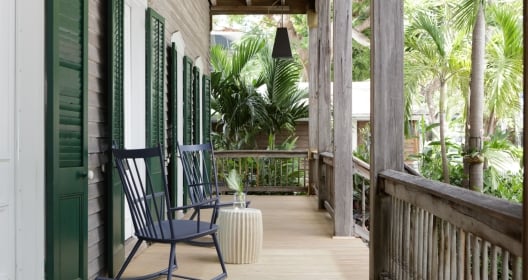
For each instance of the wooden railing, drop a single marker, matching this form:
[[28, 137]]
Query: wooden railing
[[266, 171], [438, 231], [435, 230], [361, 187]]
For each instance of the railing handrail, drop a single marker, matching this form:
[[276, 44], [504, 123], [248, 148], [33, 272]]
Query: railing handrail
[[260, 153], [496, 220]]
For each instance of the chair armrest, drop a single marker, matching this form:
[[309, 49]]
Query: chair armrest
[[195, 205]]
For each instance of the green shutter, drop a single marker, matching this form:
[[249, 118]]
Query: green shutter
[[187, 100], [155, 39], [206, 107], [155, 78], [196, 108], [115, 229], [66, 139], [173, 114]]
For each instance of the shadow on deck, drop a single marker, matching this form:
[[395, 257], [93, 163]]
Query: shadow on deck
[[297, 244]]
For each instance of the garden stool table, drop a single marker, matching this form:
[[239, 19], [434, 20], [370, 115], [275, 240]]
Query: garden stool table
[[240, 234]]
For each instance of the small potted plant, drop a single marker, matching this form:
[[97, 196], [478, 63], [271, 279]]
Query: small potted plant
[[234, 182]]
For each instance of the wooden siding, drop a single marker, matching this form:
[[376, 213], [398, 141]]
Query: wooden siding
[[297, 244], [301, 131], [180, 16], [97, 138], [191, 18]]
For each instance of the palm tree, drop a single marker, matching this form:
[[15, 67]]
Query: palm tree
[[234, 98], [434, 59], [504, 67], [501, 76], [243, 107], [284, 100]]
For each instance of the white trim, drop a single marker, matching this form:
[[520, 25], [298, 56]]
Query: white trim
[[29, 139], [177, 39], [134, 83], [199, 63]]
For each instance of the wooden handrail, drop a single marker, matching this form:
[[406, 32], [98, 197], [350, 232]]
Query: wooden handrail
[[261, 154], [496, 220]]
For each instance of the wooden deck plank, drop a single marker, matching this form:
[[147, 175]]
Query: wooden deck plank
[[297, 244]]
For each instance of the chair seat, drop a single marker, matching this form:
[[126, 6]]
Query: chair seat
[[184, 230]]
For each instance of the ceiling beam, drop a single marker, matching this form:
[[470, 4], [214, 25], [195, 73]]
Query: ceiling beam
[[249, 10]]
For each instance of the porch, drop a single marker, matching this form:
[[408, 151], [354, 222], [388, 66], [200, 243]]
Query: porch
[[297, 244]]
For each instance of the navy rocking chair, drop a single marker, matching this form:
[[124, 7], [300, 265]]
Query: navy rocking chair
[[201, 178], [144, 182]]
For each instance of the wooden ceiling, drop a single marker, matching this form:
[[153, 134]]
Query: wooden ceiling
[[259, 7]]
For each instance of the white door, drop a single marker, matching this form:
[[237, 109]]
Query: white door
[[7, 137], [134, 83]]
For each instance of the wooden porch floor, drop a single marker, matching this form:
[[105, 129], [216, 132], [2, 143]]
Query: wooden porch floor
[[297, 244]]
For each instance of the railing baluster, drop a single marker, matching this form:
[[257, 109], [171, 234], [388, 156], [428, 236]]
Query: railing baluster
[[461, 253], [505, 265]]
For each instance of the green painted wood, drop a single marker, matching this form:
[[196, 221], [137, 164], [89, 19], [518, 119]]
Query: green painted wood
[[187, 100], [173, 119], [197, 129], [155, 77], [115, 229], [206, 108], [66, 139], [155, 39]]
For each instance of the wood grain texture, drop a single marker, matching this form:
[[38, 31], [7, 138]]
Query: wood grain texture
[[297, 244], [386, 116], [342, 94]]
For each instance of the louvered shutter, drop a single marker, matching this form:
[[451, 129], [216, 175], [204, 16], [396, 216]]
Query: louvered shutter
[[196, 106], [206, 109], [187, 100], [115, 203], [173, 114], [66, 139], [155, 39]]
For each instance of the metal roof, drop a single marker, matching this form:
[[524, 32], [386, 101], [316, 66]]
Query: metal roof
[[254, 7]]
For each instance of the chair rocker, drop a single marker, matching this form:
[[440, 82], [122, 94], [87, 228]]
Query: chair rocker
[[144, 181], [201, 179]]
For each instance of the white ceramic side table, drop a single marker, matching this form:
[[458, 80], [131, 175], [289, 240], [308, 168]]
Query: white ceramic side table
[[240, 234]]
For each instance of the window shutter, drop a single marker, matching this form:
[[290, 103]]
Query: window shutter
[[155, 39], [173, 118], [155, 78], [196, 108], [206, 109], [115, 230], [187, 100]]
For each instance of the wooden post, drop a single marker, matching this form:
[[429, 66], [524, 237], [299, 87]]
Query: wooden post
[[343, 160], [525, 144], [313, 136], [386, 117], [323, 88]]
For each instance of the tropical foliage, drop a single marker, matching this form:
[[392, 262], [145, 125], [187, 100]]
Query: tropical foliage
[[252, 92]]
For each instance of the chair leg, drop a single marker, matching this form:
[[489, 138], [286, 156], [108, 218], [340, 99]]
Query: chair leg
[[220, 258], [128, 259], [172, 261]]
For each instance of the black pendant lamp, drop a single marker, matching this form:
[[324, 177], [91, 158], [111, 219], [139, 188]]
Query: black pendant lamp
[[281, 46]]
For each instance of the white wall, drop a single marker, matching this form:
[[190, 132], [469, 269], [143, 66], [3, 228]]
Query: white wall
[[177, 39], [22, 178], [7, 139], [134, 83], [199, 63]]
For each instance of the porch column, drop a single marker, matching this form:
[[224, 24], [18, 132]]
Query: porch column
[[313, 136], [386, 118], [525, 145], [323, 90], [343, 163]]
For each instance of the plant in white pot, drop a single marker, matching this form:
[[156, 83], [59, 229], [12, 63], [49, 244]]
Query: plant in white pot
[[234, 182]]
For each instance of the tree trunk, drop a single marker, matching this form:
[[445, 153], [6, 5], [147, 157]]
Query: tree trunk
[[443, 148], [474, 158]]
